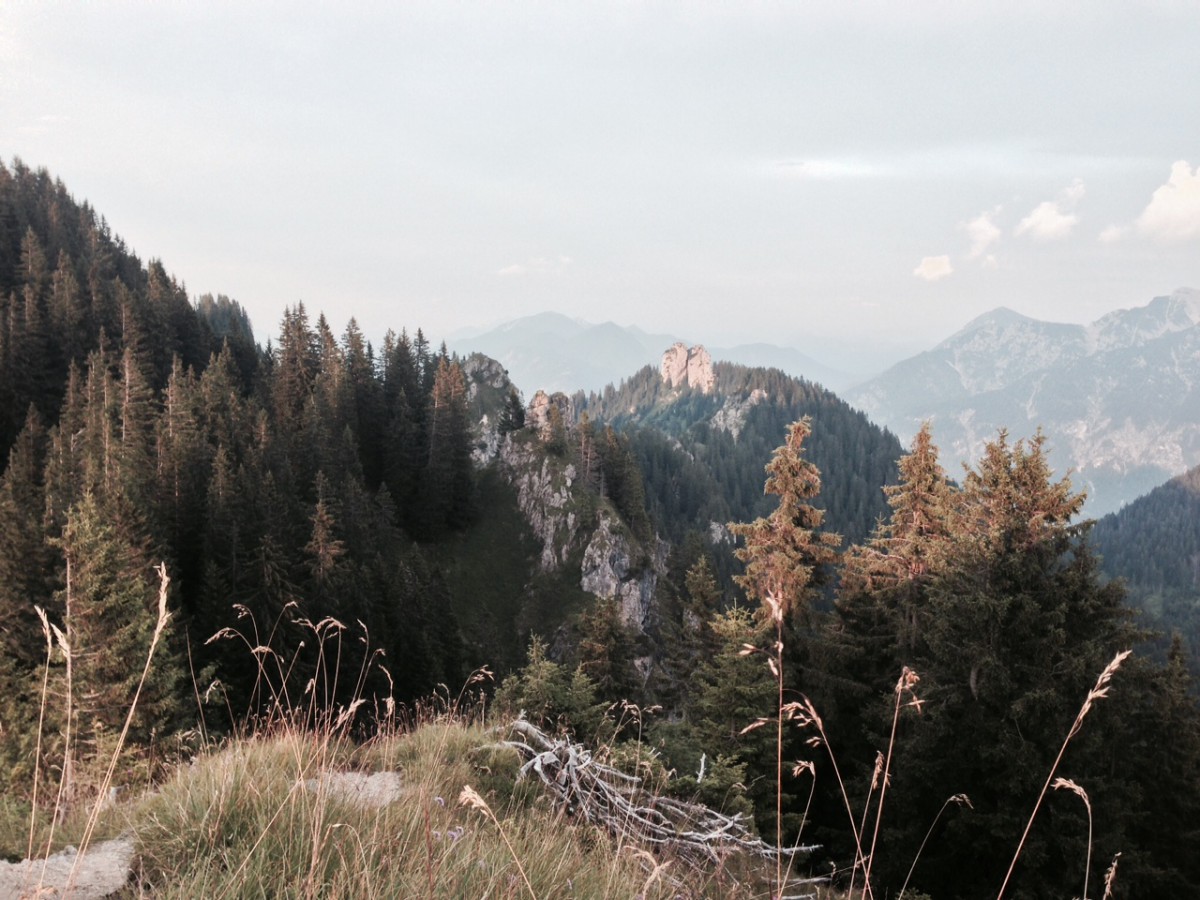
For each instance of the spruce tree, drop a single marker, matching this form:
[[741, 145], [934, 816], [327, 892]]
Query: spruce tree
[[1015, 626], [109, 604]]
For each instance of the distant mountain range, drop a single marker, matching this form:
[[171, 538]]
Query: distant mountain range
[[553, 352], [1118, 399]]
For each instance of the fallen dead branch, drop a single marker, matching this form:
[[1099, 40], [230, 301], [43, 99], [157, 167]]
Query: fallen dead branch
[[616, 801]]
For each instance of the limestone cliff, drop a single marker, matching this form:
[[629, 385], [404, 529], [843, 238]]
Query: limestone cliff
[[607, 572], [683, 367], [731, 416], [567, 517], [544, 494], [487, 388], [545, 408]]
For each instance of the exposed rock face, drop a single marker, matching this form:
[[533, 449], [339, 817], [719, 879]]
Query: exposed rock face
[[104, 870], [487, 441], [732, 415], [479, 369], [544, 497], [682, 367], [719, 533], [700, 371], [607, 562], [538, 416], [674, 364], [486, 381]]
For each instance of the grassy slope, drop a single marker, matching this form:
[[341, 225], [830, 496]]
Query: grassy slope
[[240, 821]]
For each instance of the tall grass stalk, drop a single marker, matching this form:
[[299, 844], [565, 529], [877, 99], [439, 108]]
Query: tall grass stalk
[[470, 797], [906, 684], [961, 800], [1078, 791], [37, 754], [1098, 692], [805, 714], [1110, 876], [62, 797], [775, 663]]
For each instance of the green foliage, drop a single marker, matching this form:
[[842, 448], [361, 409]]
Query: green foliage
[[994, 597], [1153, 545], [607, 650], [512, 416], [551, 695]]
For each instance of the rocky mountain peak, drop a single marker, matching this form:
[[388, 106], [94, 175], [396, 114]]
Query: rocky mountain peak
[[1178, 311], [1116, 398], [684, 367], [539, 417]]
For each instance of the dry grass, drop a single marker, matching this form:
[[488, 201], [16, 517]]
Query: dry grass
[[257, 814]]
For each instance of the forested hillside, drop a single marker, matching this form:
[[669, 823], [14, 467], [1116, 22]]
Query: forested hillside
[[703, 455], [295, 483], [1153, 545]]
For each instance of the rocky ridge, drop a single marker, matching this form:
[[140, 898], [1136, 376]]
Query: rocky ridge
[[682, 366], [1118, 399]]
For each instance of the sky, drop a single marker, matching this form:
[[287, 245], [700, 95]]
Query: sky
[[846, 178]]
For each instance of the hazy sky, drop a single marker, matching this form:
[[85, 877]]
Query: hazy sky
[[769, 171]]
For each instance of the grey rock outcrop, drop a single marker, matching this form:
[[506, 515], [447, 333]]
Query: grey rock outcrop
[[683, 367], [104, 869], [732, 414], [544, 498], [607, 572], [538, 415], [483, 370], [487, 441]]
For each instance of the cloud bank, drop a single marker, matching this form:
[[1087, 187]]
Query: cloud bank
[[1174, 210]]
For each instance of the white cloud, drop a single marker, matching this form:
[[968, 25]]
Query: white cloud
[[1052, 220], [1073, 193], [1113, 233], [1047, 222], [830, 169], [539, 265], [983, 233], [1174, 210], [934, 268]]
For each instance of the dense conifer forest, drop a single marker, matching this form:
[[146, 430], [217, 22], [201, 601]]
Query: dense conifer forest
[[873, 612], [1153, 546]]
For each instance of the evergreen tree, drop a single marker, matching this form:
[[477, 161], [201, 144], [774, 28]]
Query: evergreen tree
[[109, 604], [607, 651], [1018, 625], [786, 554], [23, 558], [512, 416]]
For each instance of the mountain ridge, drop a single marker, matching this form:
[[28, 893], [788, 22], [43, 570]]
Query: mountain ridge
[[1117, 398], [554, 352]]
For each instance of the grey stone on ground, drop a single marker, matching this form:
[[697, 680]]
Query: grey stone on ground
[[103, 870], [359, 788]]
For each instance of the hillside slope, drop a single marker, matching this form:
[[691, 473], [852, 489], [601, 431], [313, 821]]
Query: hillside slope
[[703, 452]]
